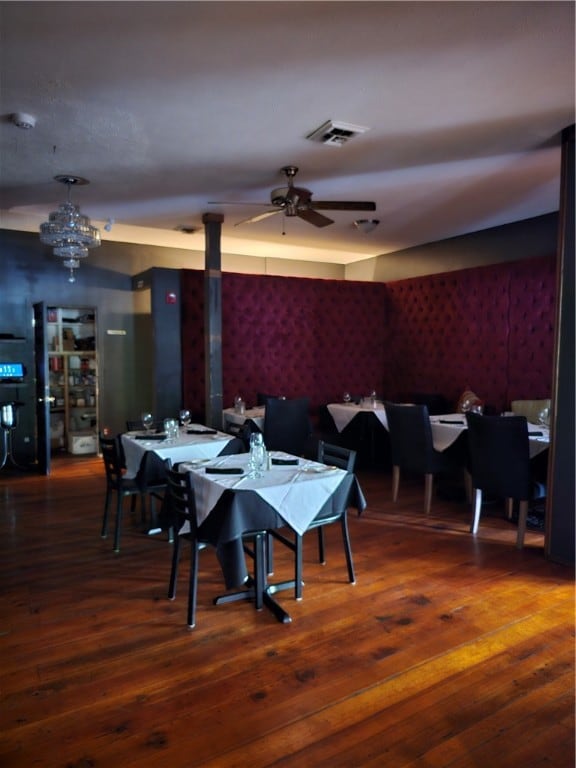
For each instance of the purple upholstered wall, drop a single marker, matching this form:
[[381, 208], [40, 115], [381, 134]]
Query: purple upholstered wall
[[289, 336], [488, 327]]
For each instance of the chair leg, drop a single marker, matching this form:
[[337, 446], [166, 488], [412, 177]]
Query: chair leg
[[119, 510], [104, 532], [321, 554], [395, 482], [174, 571], [428, 486], [509, 508], [477, 508], [347, 548], [193, 584], [522, 515]]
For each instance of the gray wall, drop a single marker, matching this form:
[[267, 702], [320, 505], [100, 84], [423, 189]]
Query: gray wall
[[522, 240]]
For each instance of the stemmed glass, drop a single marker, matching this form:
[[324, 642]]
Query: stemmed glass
[[147, 421], [185, 417], [346, 397]]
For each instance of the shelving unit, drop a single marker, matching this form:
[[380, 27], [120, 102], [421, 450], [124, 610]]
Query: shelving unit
[[73, 379]]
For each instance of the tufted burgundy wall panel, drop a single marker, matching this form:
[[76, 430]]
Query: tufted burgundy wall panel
[[532, 319], [289, 336], [490, 328], [480, 327]]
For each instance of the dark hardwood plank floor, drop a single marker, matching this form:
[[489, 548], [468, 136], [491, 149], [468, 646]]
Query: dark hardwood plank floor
[[449, 651]]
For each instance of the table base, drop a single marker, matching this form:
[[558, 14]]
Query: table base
[[258, 589]]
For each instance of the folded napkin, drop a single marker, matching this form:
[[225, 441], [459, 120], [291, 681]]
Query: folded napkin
[[201, 431], [450, 421], [224, 471], [285, 462], [150, 437], [535, 434]]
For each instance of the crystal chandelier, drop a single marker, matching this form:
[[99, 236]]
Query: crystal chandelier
[[68, 231]]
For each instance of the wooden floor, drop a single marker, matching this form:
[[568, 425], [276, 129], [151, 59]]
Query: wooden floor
[[449, 651]]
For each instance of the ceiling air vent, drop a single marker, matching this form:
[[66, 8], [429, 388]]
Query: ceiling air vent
[[335, 134]]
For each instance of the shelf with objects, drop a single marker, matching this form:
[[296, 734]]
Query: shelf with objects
[[73, 379]]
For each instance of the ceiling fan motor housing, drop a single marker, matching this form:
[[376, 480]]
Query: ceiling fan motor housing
[[278, 196]]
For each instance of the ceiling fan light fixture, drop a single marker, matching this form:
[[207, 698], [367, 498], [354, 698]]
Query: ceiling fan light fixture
[[366, 225], [68, 231]]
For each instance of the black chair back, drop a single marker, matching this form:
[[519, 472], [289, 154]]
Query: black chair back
[[181, 498], [336, 456], [499, 449], [135, 425], [287, 425], [262, 398], [112, 458], [411, 442]]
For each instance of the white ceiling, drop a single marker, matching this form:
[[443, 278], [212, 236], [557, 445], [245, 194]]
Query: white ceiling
[[165, 106]]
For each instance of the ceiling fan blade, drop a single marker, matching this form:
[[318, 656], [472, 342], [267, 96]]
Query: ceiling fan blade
[[233, 202], [314, 218], [341, 205], [258, 217]]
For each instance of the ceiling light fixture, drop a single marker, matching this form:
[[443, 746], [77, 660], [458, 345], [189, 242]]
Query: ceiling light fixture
[[68, 231], [366, 225]]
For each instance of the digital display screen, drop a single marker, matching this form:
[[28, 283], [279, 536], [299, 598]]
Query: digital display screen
[[11, 371]]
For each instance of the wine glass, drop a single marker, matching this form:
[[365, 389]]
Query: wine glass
[[346, 397], [185, 417], [544, 417], [147, 421]]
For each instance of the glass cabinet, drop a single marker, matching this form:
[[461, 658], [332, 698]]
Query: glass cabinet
[[73, 379]]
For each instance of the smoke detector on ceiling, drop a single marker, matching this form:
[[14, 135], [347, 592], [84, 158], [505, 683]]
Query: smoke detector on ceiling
[[23, 120], [335, 133]]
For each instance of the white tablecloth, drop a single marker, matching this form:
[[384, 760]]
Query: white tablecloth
[[229, 416], [184, 447], [296, 492], [343, 413]]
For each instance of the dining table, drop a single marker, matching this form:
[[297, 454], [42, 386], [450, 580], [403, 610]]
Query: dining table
[[232, 418], [363, 427], [196, 441], [231, 502], [447, 428]]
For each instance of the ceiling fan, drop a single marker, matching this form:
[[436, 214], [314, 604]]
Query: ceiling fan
[[297, 201]]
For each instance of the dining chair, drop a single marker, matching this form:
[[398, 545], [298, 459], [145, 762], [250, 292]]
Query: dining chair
[[182, 508], [151, 479], [262, 398], [412, 448], [117, 485], [287, 425], [181, 514], [344, 458], [499, 449]]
